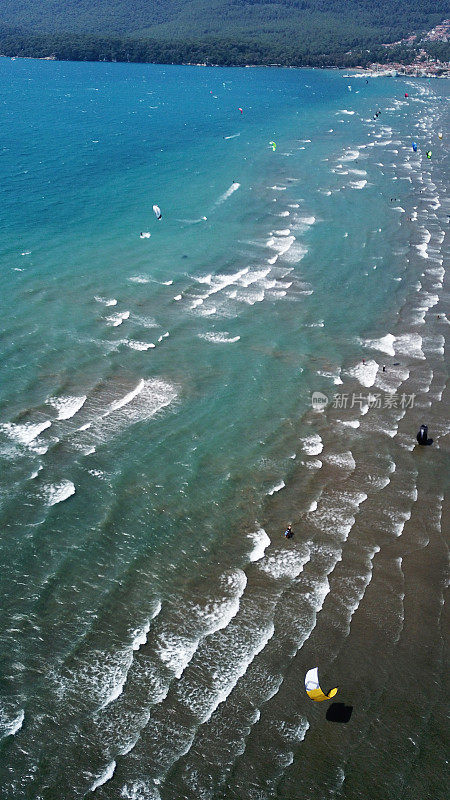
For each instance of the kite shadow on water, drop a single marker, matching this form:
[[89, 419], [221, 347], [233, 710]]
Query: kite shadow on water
[[339, 712]]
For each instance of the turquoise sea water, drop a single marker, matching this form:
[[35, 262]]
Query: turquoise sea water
[[156, 429]]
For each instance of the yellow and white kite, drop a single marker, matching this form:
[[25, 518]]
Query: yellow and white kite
[[313, 689]]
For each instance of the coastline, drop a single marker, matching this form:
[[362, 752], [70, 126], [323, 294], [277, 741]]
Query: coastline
[[374, 70]]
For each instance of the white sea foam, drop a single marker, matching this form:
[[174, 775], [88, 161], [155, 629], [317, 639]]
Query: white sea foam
[[398, 519], [67, 407], [118, 318], [350, 155], [358, 184], [335, 514], [142, 403], [365, 373], [260, 542], [384, 345], [139, 279], [232, 662], [135, 345], [342, 460], [312, 445], [126, 399], [254, 276], [282, 564], [140, 790], [175, 650], [345, 111], [105, 776], [58, 492], [105, 301], [277, 488], [410, 345], [218, 337], [281, 244], [423, 249], [349, 423], [337, 380], [27, 432], [10, 725], [315, 463], [353, 589]]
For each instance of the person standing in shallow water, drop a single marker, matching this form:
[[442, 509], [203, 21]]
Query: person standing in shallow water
[[289, 532]]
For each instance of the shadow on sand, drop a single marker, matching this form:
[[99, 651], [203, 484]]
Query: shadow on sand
[[339, 712]]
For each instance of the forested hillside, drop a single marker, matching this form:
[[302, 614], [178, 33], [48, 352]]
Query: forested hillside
[[316, 32]]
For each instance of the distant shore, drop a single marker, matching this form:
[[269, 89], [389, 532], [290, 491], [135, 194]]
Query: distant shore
[[373, 70]]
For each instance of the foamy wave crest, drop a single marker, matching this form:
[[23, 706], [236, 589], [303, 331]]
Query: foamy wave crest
[[365, 373], [175, 650], [282, 564], [105, 776], [335, 515], [139, 279], [218, 337], [127, 399], [140, 790], [277, 488], [135, 345], [260, 542], [349, 590], [232, 658], [105, 301], [384, 345], [422, 248], [358, 184], [350, 155], [312, 445], [409, 344], [281, 244], [25, 434], [342, 460], [141, 403], [58, 492], [101, 676], [315, 463], [337, 380], [9, 725], [67, 407], [118, 318]]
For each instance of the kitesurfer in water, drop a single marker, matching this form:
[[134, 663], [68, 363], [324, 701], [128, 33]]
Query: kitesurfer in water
[[289, 532], [422, 436]]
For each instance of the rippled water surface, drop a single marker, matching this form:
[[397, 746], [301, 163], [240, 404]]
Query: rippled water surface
[[157, 433]]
